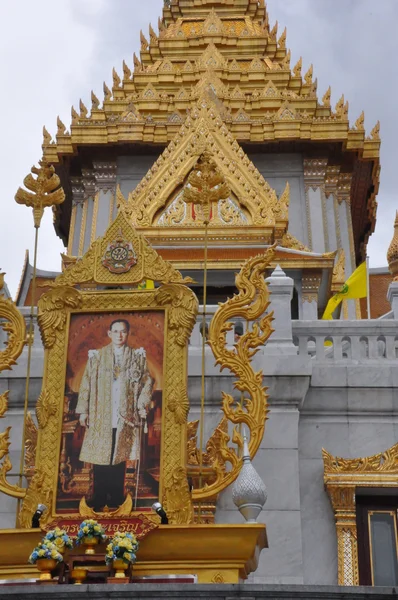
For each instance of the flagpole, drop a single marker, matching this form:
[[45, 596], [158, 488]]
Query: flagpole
[[367, 288]]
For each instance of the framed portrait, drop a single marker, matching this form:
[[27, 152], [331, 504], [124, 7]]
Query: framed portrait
[[113, 409], [111, 437]]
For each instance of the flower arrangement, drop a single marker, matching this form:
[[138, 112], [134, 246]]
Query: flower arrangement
[[123, 546], [90, 529], [45, 550], [60, 538]]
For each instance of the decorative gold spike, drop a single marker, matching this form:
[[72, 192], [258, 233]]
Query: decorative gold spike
[[345, 110], [282, 39], [46, 137], [116, 79], [339, 108], [281, 207], [286, 61], [152, 35], [137, 63], [83, 110], [392, 253], [61, 127], [375, 133], [144, 41], [359, 123], [298, 67], [46, 190], [75, 116], [107, 93], [161, 26], [94, 101], [126, 71], [338, 277], [326, 97], [274, 32], [314, 86], [308, 76]]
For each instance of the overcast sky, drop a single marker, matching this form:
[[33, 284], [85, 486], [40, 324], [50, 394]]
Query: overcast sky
[[52, 52]]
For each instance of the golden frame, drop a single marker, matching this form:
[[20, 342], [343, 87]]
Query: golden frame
[[342, 478], [75, 291]]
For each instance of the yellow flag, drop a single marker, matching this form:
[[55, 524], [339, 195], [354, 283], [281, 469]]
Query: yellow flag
[[146, 284], [354, 287]]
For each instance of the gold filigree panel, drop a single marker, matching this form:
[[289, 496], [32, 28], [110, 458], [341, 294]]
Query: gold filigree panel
[[342, 477]]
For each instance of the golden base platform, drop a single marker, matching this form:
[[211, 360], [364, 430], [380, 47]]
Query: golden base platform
[[215, 553]]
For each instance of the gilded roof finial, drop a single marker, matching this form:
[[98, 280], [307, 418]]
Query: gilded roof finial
[[94, 101], [298, 67], [46, 137], [274, 32], [144, 41], [44, 190], [282, 39], [137, 63], [107, 93], [126, 71], [359, 123], [152, 35], [392, 253], [375, 133], [60, 127], [83, 110], [116, 79], [308, 75], [74, 114], [326, 97], [339, 108]]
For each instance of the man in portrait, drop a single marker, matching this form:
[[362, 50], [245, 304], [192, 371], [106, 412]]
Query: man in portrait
[[114, 397]]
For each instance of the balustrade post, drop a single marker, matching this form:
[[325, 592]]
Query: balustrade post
[[281, 288], [392, 297]]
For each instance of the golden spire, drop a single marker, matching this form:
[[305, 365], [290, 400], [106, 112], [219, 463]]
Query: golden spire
[[392, 253]]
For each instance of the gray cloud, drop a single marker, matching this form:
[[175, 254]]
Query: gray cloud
[[53, 53]]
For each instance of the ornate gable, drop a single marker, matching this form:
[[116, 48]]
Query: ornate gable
[[252, 200]]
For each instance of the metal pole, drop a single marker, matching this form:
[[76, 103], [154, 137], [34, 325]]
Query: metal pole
[[203, 390], [367, 288], [27, 382], [138, 465]]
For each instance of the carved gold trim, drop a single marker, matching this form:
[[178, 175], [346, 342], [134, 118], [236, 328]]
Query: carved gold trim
[[250, 410], [13, 323], [342, 477]]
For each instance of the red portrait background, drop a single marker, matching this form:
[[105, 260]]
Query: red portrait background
[[90, 332]]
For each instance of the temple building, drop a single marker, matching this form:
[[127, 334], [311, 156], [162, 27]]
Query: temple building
[[213, 97]]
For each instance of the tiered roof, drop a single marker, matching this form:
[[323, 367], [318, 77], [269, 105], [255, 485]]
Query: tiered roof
[[229, 48]]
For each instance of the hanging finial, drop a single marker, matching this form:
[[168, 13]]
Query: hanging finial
[[249, 492]]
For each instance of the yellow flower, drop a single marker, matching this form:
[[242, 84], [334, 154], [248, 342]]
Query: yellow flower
[[86, 529], [42, 552]]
